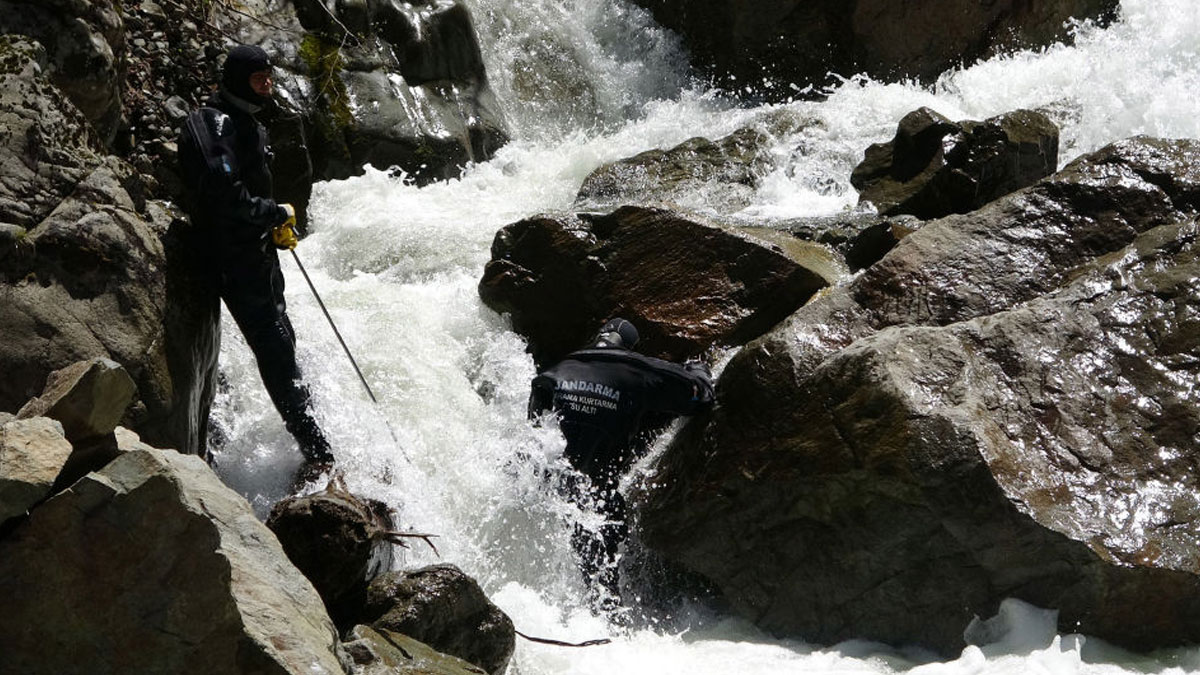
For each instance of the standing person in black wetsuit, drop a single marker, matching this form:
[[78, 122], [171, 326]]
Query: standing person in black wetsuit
[[224, 157], [601, 396]]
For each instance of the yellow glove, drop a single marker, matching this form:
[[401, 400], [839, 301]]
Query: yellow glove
[[283, 235]]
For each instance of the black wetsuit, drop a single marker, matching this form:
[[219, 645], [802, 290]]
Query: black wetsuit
[[224, 156], [603, 397]]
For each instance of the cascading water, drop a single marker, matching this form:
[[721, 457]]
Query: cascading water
[[586, 82]]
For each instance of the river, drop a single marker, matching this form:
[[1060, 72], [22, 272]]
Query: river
[[584, 82]]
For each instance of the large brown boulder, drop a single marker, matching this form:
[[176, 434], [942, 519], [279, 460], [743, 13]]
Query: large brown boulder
[[801, 42], [686, 284], [970, 419], [934, 167], [336, 539], [152, 565], [91, 275]]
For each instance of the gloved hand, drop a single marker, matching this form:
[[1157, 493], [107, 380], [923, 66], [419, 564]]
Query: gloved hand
[[284, 236]]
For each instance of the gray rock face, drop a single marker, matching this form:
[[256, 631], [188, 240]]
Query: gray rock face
[[999, 407], [90, 276], [48, 149], [88, 398], [151, 565], [802, 41], [86, 52], [445, 609], [687, 285], [32, 453], [935, 167]]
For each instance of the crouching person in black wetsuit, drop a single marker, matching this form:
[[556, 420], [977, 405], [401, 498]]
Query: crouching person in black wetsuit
[[224, 157], [601, 396]]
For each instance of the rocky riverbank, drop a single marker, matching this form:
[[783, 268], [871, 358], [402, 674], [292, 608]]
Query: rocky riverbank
[[997, 405]]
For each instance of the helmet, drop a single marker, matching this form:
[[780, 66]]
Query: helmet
[[617, 333]]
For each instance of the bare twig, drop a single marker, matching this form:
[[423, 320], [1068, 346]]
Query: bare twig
[[399, 537]]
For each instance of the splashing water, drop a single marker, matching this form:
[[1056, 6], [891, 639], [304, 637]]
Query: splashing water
[[585, 82]]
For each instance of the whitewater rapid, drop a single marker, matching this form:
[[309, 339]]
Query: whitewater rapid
[[583, 83]]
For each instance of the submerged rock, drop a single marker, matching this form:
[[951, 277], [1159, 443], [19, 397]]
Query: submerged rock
[[934, 167], [998, 408], [152, 565], [686, 284]]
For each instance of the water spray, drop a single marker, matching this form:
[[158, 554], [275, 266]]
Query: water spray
[[346, 349]]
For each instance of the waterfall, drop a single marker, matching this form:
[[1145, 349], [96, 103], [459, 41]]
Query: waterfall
[[584, 82]]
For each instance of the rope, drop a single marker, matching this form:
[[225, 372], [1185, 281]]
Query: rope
[[560, 643]]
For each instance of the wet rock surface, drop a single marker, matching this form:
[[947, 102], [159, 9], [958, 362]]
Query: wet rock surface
[[735, 164], [687, 285], [446, 609], [333, 537], [779, 48], [934, 167], [1000, 407]]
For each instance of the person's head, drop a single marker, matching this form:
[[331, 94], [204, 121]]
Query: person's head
[[617, 334], [247, 74]]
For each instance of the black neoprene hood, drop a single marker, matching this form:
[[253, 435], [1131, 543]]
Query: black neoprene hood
[[242, 62]]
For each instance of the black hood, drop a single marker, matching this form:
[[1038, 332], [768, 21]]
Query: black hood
[[242, 62]]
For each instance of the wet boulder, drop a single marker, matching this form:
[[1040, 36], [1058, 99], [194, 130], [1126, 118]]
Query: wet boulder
[[971, 418], [446, 609], [709, 176], [862, 239], [91, 276], [686, 284], [719, 175], [934, 167], [152, 565], [781, 47], [335, 539]]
